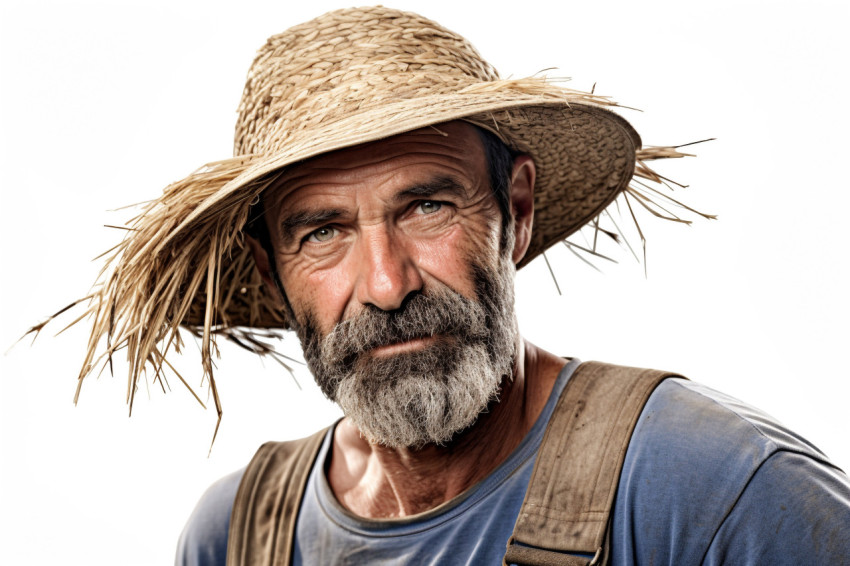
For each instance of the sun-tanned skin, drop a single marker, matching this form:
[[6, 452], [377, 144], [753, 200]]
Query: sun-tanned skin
[[371, 225]]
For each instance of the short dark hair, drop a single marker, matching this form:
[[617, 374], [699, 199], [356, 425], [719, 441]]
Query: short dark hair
[[498, 156]]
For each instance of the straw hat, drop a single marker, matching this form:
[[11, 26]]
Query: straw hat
[[344, 78]]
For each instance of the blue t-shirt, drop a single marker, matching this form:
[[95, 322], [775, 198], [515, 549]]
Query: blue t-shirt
[[706, 479]]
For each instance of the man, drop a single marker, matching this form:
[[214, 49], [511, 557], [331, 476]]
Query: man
[[389, 183]]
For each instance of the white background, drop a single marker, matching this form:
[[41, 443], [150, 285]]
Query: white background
[[104, 103]]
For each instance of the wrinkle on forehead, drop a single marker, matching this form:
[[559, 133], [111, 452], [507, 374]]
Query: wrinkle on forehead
[[453, 145]]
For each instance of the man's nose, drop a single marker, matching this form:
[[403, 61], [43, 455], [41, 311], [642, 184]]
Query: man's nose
[[387, 272]]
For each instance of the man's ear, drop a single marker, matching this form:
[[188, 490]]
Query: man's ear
[[264, 267], [522, 203]]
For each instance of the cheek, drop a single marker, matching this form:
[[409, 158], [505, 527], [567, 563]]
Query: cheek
[[322, 292], [449, 258]]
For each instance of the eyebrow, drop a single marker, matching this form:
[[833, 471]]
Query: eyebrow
[[437, 185]]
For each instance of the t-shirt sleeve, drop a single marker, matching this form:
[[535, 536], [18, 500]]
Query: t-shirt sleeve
[[710, 480], [794, 510], [203, 541]]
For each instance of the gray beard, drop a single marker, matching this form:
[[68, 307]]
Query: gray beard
[[428, 395]]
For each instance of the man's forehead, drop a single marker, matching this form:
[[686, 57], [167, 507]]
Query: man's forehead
[[445, 148]]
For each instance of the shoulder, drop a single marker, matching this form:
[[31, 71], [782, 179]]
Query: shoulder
[[203, 541], [683, 419], [698, 459]]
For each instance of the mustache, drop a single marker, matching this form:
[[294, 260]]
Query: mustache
[[445, 312]]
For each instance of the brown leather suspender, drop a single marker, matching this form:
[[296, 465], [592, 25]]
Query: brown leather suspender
[[567, 505], [569, 498], [262, 523]]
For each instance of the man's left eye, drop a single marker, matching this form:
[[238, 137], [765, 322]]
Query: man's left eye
[[322, 234], [429, 207]]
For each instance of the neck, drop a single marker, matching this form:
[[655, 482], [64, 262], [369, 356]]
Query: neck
[[375, 481]]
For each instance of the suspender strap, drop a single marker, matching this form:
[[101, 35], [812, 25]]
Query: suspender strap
[[574, 481], [262, 524], [567, 506]]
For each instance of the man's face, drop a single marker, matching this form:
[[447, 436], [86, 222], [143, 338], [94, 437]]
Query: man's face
[[389, 257]]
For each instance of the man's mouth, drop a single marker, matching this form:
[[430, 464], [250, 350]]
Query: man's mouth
[[403, 346]]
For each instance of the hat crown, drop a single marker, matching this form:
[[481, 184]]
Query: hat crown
[[344, 62]]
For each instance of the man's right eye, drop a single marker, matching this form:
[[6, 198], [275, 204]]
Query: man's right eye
[[323, 234]]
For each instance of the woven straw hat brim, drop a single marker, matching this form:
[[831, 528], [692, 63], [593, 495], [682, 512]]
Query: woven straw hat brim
[[584, 154], [581, 151]]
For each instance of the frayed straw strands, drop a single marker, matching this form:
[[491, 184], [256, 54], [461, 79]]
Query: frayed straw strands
[[346, 78]]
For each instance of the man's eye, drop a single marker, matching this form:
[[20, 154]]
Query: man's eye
[[429, 207], [322, 234]]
